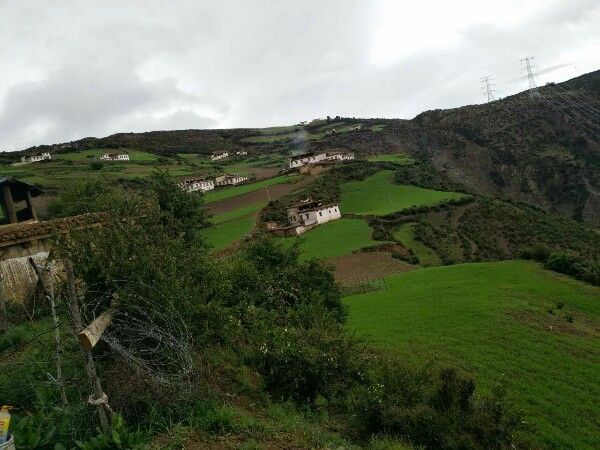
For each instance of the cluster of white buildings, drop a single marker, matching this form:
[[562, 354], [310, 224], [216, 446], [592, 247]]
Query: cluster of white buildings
[[307, 215], [317, 158], [114, 157], [197, 184], [193, 185], [36, 158], [218, 155], [222, 155]]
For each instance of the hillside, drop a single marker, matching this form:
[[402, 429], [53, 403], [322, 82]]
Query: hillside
[[508, 322], [512, 148]]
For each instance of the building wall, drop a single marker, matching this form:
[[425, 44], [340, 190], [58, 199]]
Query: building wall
[[325, 215]]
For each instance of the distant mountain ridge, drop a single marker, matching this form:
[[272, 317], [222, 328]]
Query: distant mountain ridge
[[515, 147]]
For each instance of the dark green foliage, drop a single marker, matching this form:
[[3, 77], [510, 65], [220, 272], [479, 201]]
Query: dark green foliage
[[424, 175], [187, 210], [96, 165], [586, 269], [119, 438], [429, 408]]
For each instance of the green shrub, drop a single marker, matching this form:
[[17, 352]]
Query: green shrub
[[96, 165], [434, 409], [120, 437]]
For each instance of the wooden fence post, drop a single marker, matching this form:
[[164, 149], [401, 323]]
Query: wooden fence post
[[3, 314], [99, 398], [57, 351]]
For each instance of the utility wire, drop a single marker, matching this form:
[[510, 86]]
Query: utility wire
[[587, 97], [563, 109], [583, 116], [586, 102], [582, 106]]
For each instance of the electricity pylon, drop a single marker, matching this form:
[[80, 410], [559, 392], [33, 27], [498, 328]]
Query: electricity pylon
[[487, 88], [527, 66]]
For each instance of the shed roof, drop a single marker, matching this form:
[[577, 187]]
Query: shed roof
[[19, 189]]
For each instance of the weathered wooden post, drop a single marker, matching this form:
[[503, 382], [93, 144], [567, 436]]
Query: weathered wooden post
[[3, 313], [57, 351], [98, 398]]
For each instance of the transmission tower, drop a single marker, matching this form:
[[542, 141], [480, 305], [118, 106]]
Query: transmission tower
[[487, 88], [531, 76]]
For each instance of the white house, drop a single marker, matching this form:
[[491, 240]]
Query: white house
[[339, 156], [193, 185], [114, 157], [306, 158], [308, 214], [36, 158], [229, 179], [315, 158], [241, 153], [218, 155]]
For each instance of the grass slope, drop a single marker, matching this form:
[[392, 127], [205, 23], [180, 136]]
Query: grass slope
[[405, 234], [225, 234], [399, 158], [378, 195], [492, 320], [238, 213], [228, 192], [336, 238]]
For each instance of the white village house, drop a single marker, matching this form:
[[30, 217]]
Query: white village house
[[195, 184], [316, 158], [218, 155], [114, 157], [307, 215], [230, 179], [241, 153], [36, 158]]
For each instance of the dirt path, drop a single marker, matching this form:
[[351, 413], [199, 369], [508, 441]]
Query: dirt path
[[252, 198]]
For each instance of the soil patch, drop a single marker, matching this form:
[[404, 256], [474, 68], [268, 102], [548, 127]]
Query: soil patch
[[358, 267], [556, 323], [252, 198]]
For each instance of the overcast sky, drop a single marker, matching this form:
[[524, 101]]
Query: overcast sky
[[71, 69]]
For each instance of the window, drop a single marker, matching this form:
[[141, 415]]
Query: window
[[320, 213]]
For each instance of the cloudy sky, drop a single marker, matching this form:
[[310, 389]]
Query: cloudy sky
[[72, 69]]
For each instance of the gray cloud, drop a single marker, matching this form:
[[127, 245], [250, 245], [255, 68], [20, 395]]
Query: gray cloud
[[92, 68]]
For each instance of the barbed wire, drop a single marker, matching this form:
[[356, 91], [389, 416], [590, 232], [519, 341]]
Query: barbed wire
[[146, 331]]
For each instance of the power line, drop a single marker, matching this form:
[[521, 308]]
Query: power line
[[569, 113], [527, 66], [587, 115], [586, 103], [487, 88]]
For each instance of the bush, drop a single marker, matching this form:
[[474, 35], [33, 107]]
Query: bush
[[96, 165], [435, 409]]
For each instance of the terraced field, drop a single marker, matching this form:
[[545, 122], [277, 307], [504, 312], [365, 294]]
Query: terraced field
[[333, 239], [228, 192], [512, 322], [400, 158], [224, 234], [378, 195]]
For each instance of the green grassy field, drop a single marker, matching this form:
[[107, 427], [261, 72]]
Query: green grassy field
[[400, 158], [492, 320], [238, 213], [405, 234], [229, 192], [378, 195], [224, 234], [378, 128], [134, 155], [337, 238]]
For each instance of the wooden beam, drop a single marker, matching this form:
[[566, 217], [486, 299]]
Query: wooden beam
[[10, 205], [89, 336], [30, 205]]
